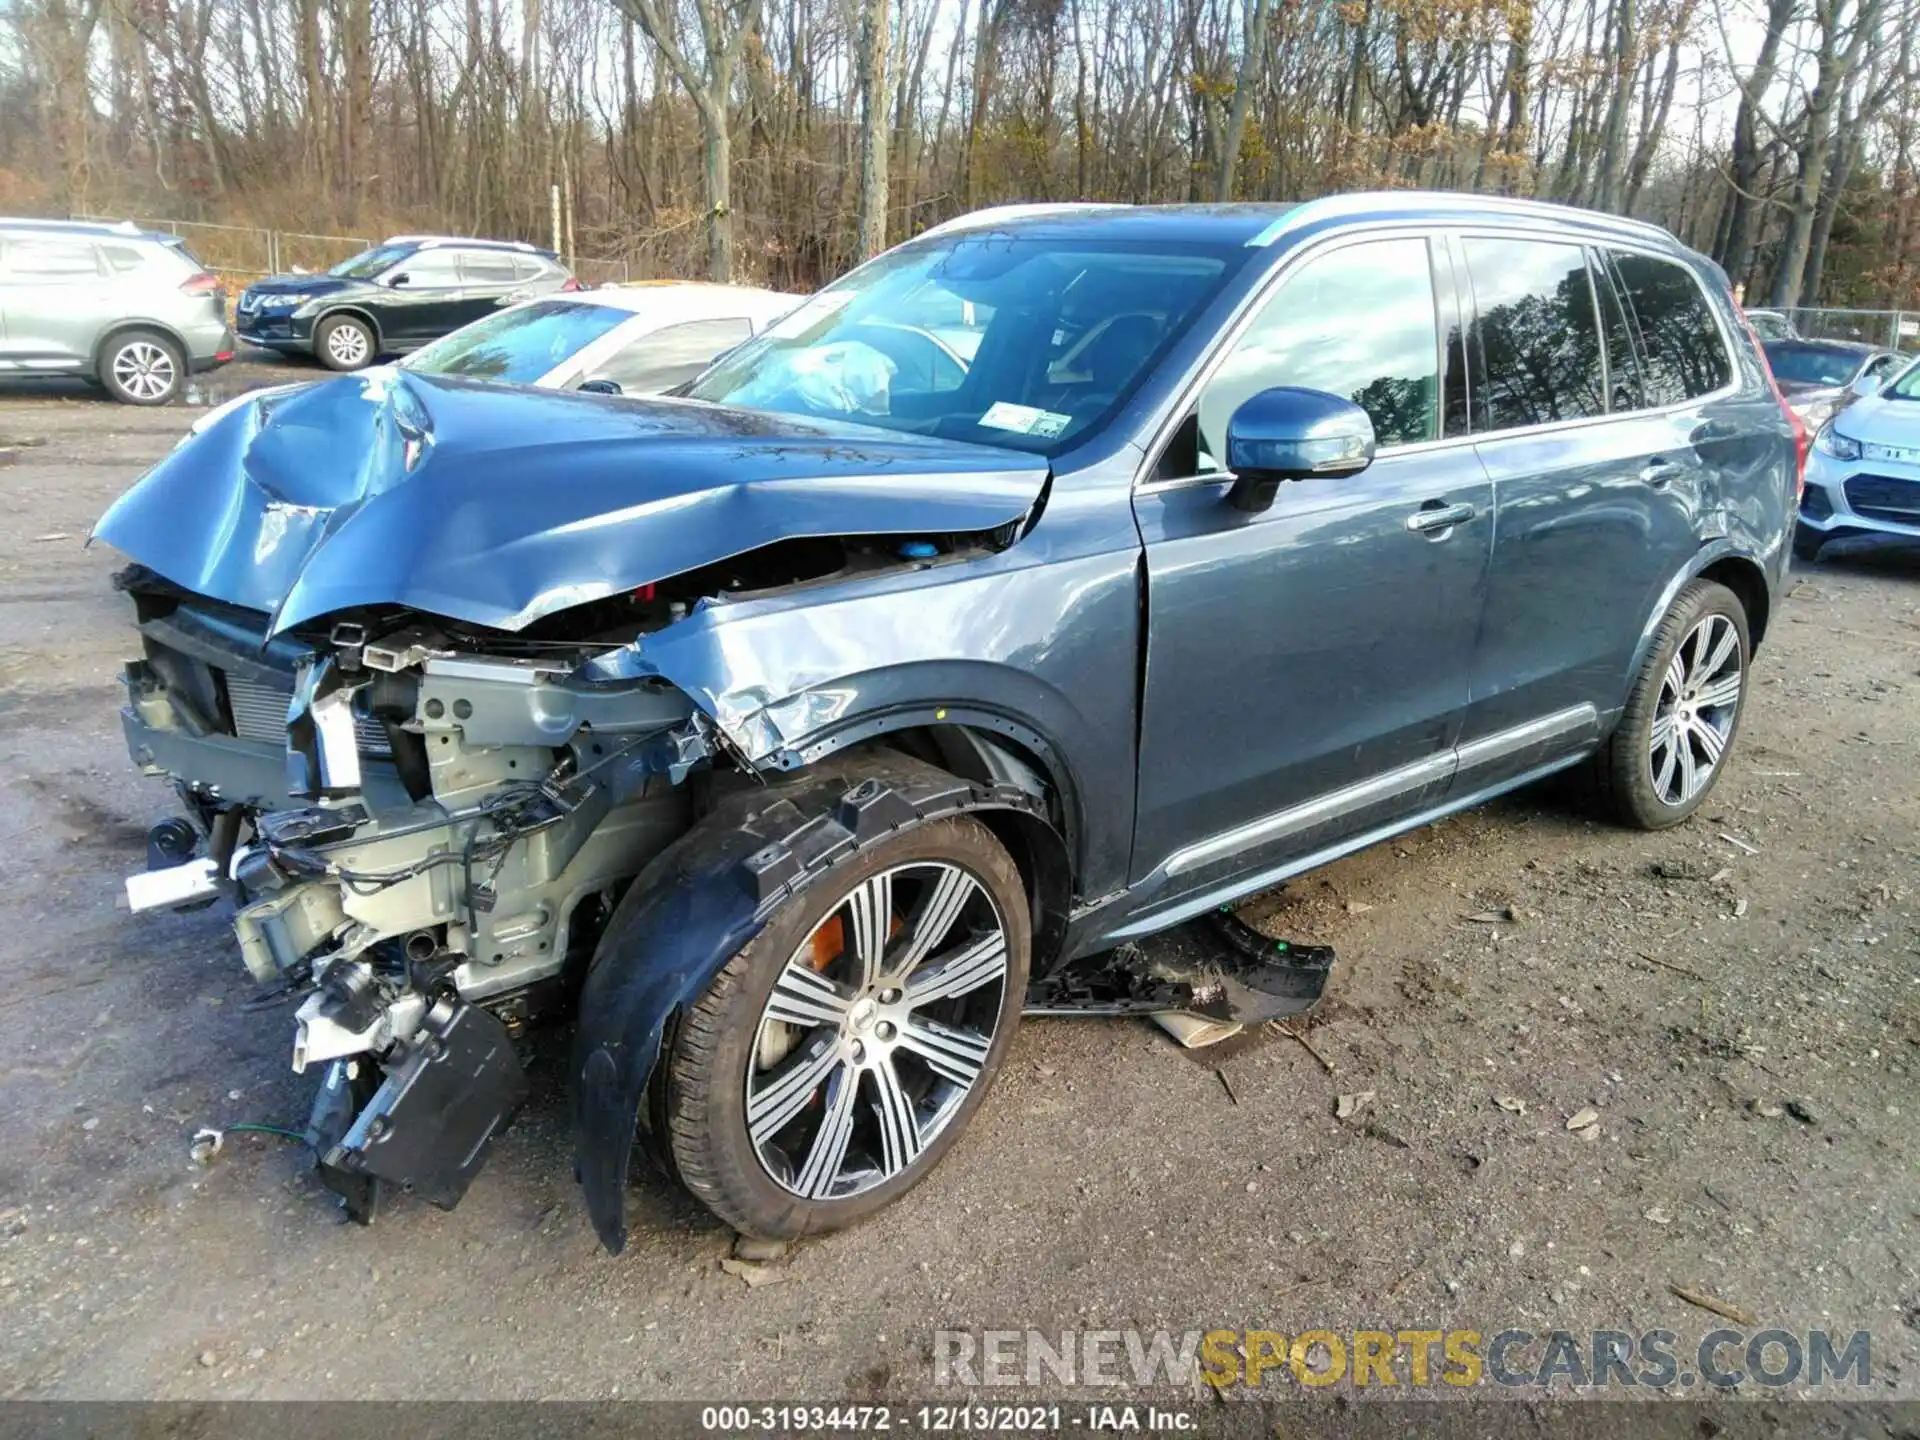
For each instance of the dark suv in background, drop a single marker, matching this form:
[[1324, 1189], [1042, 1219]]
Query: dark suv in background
[[795, 737], [395, 297]]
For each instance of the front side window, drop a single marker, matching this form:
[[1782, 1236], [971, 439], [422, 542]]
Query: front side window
[[429, 270], [671, 355], [1685, 354], [1536, 329], [983, 336], [1905, 385], [1359, 323], [520, 345]]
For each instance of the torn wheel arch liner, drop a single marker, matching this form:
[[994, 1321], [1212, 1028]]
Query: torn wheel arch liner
[[690, 911]]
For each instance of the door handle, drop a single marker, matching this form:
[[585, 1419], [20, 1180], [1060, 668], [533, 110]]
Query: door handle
[[1437, 516], [1658, 472]]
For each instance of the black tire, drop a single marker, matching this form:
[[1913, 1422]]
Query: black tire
[[1626, 777], [1807, 543], [345, 343], [142, 367], [707, 1064]]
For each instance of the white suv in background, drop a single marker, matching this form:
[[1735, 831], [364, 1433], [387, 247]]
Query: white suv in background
[[1863, 476]]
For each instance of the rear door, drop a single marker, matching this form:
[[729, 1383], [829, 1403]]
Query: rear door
[[53, 295], [1599, 484], [488, 280], [1307, 667]]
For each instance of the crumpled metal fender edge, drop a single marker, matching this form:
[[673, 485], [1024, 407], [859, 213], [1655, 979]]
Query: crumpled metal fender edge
[[698, 903]]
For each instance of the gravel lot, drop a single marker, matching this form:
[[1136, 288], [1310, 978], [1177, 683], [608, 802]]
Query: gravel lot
[[1737, 1000]]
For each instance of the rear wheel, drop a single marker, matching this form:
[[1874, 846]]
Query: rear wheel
[[142, 367], [834, 1060], [1680, 721], [344, 342]]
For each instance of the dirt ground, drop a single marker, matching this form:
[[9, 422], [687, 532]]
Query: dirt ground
[[1737, 1000]]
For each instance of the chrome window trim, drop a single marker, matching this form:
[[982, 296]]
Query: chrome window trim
[[1187, 396]]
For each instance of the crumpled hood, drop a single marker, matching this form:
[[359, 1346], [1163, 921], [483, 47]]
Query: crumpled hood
[[498, 505]]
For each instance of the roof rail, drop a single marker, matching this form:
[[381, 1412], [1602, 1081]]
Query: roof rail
[[84, 227], [428, 241], [1365, 201], [1031, 210]]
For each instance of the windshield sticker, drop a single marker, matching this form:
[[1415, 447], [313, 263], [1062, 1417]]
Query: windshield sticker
[[1024, 420]]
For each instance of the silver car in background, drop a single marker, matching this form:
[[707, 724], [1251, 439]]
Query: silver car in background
[[127, 309]]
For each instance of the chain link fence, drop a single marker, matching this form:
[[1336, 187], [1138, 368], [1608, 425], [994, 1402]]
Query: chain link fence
[[1894, 329]]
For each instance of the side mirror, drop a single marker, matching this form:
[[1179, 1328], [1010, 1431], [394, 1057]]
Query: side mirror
[[396, 281], [1291, 434], [600, 385], [1866, 386]]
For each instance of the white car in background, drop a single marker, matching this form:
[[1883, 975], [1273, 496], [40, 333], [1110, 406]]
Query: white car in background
[[640, 339], [1863, 474]]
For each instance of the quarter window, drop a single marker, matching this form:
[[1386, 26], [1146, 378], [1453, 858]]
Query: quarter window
[[1357, 323], [1536, 332], [1686, 356], [478, 267]]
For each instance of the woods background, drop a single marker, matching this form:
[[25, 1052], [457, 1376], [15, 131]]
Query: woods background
[[780, 142]]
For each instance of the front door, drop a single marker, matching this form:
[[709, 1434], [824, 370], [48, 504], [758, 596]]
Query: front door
[[53, 302], [423, 299], [1306, 672]]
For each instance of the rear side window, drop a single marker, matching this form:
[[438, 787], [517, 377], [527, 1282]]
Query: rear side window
[[51, 257], [484, 267], [1357, 322], [1686, 356], [430, 270], [123, 258], [1537, 334]]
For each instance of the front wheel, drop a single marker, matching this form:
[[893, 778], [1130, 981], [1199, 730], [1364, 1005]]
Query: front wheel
[[344, 343], [1807, 543], [836, 1058], [1683, 713]]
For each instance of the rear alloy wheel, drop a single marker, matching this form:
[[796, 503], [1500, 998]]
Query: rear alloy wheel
[[835, 1059], [1680, 721], [142, 367], [343, 343]]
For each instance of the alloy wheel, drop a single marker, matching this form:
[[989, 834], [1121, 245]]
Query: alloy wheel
[[145, 370], [347, 344], [1693, 718], [876, 1031]]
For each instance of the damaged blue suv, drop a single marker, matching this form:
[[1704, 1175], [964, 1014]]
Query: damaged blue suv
[[1047, 583]]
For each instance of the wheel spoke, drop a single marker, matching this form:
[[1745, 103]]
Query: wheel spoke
[[979, 963], [1712, 743], [804, 998], [1666, 758], [935, 916], [956, 1055], [871, 906], [1725, 641], [770, 1109], [829, 1148], [1718, 693], [1689, 771], [899, 1125]]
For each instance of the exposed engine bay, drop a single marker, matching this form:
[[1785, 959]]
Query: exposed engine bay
[[423, 828]]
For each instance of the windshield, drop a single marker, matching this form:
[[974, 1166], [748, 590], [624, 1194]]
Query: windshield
[[520, 345], [369, 263], [1801, 364], [1022, 343]]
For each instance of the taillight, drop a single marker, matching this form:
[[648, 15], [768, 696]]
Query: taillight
[[201, 284], [571, 285], [1802, 439]]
